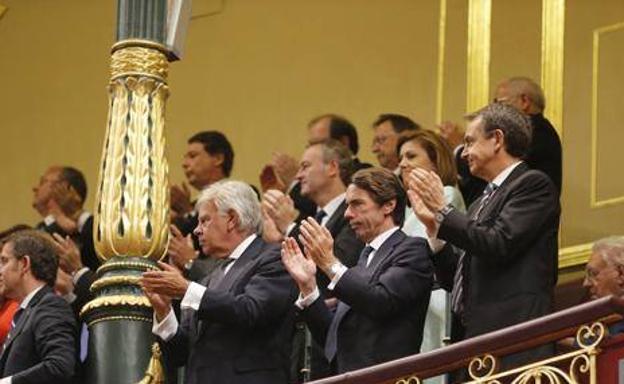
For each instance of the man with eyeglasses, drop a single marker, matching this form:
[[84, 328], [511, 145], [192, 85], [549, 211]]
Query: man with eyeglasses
[[544, 152], [605, 268], [388, 128]]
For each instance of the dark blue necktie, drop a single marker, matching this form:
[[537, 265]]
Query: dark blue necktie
[[331, 342], [457, 294]]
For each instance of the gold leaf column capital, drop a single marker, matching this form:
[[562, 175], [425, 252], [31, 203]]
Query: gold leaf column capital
[[132, 203]]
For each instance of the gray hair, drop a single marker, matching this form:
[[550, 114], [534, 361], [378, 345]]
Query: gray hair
[[611, 249], [230, 195], [520, 85]]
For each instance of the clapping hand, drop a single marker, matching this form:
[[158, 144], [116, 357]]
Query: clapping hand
[[318, 244], [301, 268], [181, 199], [280, 208], [68, 252], [180, 249], [168, 281]]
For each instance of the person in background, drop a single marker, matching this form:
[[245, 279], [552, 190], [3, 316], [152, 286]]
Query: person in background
[[209, 158], [59, 198], [388, 128]]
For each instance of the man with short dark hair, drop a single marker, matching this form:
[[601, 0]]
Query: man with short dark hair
[[209, 158], [41, 345], [383, 299], [389, 127], [499, 259]]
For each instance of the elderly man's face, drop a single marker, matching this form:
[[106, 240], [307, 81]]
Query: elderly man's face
[[213, 230], [602, 279]]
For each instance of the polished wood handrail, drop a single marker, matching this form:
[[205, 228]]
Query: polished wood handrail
[[512, 339]]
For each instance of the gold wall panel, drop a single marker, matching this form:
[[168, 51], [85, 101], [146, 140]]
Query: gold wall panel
[[479, 15], [607, 96], [441, 56], [553, 22], [592, 100]]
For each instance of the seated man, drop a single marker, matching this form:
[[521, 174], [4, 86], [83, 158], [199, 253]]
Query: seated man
[[383, 299], [236, 325], [41, 345]]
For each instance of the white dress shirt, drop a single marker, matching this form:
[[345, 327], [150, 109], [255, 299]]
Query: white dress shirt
[[168, 327], [303, 302]]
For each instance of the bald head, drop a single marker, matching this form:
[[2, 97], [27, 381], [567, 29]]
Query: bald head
[[521, 92]]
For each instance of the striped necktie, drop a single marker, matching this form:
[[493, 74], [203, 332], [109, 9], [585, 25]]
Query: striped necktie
[[457, 294]]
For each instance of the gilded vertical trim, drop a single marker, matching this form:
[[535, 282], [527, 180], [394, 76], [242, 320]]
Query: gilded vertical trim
[[441, 56], [553, 27], [593, 192], [479, 23], [2, 10]]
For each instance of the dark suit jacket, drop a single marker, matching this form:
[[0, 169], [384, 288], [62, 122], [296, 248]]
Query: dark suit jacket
[[82, 290], [388, 302], [42, 348], [347, 246], [544, 155], [241, 332], [510, 266], [83, 239]]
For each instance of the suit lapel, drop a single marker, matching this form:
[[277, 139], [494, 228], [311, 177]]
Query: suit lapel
[[241, 265], [384, 251], [501, 191], [19, 327], [336, 218]]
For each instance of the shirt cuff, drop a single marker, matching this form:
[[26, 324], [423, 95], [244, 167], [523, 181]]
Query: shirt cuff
[[70, 298], [193, 296], [167, 328], [76, 276], [48, 220], [6, 380], [290, 228], [304, 302], [341, 270]]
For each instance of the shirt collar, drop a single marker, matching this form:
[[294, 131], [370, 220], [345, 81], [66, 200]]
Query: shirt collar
[[82, 219], [242, 246], [382, 237], [333, 204], [501, 177], [28, 298]]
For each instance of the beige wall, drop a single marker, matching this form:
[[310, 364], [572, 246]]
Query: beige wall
[[259, 70]]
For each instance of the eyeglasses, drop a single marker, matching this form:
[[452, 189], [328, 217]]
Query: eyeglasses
[[379, 140]]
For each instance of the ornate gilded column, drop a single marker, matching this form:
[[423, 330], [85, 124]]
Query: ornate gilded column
[[132, 203]]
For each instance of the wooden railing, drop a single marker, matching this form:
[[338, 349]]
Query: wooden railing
[[520, 337]]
